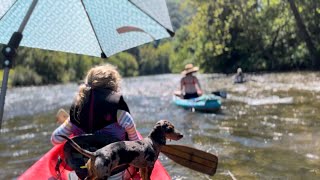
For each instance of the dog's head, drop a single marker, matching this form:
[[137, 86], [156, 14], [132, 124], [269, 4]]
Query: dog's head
[[165, 130]]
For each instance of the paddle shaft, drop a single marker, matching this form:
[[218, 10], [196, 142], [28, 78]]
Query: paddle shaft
[[186, 156], [222, 94]]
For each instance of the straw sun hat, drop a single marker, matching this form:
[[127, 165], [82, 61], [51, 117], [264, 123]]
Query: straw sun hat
[[189, 68]]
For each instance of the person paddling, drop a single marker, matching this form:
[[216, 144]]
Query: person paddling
[[239, 77], [189, 84]]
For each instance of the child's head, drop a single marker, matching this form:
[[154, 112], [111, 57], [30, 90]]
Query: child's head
[[103, 77], [61, 116]]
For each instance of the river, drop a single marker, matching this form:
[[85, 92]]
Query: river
[[268, 127]]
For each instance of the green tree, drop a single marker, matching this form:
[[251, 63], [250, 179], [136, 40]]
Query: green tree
[[23, 76], [182, 51], [257, 35], [302, 31], [126, 64], [155, 60]]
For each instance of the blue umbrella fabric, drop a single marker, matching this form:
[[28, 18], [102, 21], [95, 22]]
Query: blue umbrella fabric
[[89, 27]]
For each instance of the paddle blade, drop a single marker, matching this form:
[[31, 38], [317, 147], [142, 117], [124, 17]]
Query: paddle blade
[[222, 94], [178, 93], [192, 158], [61, 116]]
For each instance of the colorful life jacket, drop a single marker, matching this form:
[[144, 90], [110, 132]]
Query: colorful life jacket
[[99, 111]]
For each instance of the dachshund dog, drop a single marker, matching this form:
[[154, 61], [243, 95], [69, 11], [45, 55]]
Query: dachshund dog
[[141, 154]]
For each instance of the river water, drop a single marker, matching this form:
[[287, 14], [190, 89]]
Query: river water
[[268, 127]]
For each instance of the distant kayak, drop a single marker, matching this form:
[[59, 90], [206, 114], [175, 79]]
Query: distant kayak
[[48, 168], [207, 102]]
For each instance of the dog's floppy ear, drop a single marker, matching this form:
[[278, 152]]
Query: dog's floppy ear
[[165, 125]]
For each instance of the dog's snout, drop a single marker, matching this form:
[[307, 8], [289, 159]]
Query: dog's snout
[[180, 136]]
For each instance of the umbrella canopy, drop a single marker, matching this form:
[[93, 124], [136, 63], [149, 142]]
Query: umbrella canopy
[[89, 27]]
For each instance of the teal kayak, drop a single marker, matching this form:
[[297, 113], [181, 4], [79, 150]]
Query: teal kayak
[[208, 102]]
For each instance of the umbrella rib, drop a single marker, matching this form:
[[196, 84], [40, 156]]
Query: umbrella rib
[[103, 55], [8, 9], [171, 33]]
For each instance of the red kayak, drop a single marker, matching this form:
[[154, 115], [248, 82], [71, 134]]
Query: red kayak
[[46, 168]]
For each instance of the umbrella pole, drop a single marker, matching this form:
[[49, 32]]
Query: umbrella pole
[[9, 51], [3, 90]]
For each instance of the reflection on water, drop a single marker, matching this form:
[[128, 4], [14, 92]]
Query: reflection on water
[[268, 128]]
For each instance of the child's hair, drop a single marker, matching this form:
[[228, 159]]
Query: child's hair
[[103, 76]]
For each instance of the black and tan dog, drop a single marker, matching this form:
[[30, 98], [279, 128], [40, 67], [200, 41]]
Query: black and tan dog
[[141, 154]]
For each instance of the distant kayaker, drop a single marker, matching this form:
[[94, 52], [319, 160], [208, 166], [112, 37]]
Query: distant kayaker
[[239, 77], [190, 86], [98, 108]]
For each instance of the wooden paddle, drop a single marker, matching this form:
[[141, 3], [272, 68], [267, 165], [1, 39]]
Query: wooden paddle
[[192, 158], [186, 156], [178, 93]]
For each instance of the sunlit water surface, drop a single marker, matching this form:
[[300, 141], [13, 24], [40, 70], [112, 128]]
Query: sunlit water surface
[[268, 127]]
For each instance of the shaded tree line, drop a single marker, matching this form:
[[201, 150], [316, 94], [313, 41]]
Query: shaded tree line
[[257, 35]]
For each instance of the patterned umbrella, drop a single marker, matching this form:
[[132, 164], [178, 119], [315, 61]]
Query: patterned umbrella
[[91, 27]]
